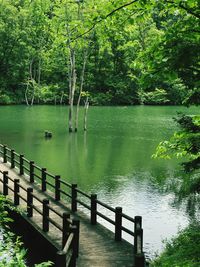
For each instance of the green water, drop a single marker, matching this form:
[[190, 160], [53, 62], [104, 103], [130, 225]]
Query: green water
[[112, 159]]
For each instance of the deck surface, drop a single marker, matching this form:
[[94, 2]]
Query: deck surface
[[97, 245]]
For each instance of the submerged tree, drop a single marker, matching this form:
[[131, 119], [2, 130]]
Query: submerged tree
[[71, 20]]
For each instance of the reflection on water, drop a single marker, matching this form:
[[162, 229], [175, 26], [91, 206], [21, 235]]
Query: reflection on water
[[112, 159]]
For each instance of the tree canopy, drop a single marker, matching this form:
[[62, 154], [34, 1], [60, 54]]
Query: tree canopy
[[140, 52]]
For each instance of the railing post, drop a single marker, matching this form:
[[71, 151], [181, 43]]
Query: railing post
[[29, 201], [44, 176], [74, 198], [93, 212], [16, 192], [138, 243], [5, 183], [60, 259], [4, 153], [65, 234], [139, 257], [31, 171], [118, 224], [76, 223], [21, 164], [137, 225], [57, 187], [12, 158], [45, 218], [72, 262]]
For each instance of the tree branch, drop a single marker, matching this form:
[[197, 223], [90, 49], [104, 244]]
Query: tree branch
[[101, 19], [187, 9]]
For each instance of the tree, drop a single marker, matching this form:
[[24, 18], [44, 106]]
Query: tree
[[71, 20], [39, 34]]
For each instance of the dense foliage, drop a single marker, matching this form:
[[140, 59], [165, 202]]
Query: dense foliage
[[183, 250], [185, 143], [146, 52]]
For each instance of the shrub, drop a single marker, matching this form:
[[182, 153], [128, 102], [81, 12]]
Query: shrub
[[4, 99], [157, 97], [183, 250]]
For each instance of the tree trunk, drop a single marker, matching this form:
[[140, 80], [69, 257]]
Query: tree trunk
[[61, 98], [33, 95], [28, 83], [85, 114], [72, 91], [26, 92], [81, 89]]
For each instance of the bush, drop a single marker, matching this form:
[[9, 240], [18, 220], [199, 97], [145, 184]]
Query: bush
[[184, 143], [4, 99], [157, 97], [176, 91], [183, 250], [101, 99]]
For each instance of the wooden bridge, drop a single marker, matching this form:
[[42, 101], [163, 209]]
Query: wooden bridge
[[51, 205]]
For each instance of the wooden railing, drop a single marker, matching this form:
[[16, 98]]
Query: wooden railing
[[63, 189], [69, 228]]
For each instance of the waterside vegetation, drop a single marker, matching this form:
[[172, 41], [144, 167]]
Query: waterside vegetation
[[12, 252]]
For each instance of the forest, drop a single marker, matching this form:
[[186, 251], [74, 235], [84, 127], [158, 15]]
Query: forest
[[106, 52]]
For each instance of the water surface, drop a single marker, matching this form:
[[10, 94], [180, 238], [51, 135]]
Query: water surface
[[112, 159]]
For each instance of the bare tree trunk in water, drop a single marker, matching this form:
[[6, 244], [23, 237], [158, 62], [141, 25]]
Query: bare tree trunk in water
[[70, 92], [81, 89], [72, 73], [85, 114], [72, 87]]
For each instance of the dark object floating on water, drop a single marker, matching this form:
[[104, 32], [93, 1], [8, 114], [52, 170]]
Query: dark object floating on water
[[47, 134]]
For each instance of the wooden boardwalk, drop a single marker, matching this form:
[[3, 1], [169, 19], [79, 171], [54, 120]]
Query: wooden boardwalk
[[97, 247]]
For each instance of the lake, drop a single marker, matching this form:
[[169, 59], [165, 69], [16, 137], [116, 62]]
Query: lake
[[112, 159]]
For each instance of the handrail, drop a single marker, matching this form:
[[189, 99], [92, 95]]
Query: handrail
[[60, 186], [37, 198], [105, 205], [68, 226], [128, 217], [55, 211], [54, 223], [83, 193], [75, 190], [36, 209], [105, 218], [68, 243]]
